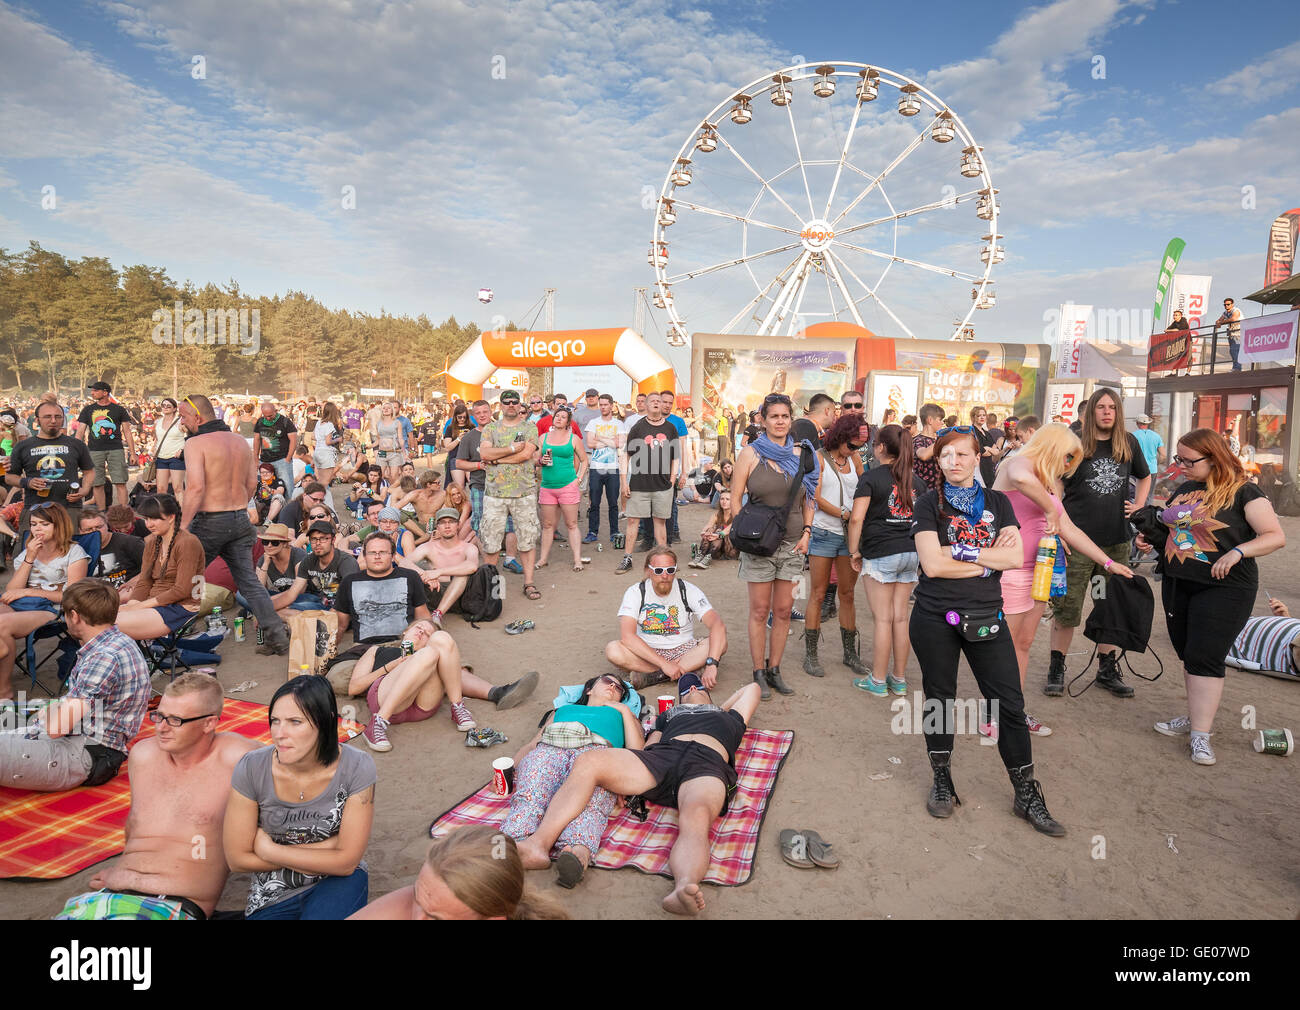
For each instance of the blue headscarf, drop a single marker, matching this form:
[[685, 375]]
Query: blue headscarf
[[784, 457]]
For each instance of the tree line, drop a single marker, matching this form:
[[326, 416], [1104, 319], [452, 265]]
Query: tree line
[[68, 322]]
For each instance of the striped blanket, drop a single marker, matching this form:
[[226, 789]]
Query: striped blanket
[[646, 845], [1264, 646]]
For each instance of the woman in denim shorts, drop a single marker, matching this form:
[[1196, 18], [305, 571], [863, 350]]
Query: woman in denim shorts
[[840, 470], [880, 529]]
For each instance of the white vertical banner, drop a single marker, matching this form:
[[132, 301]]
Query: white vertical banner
[[1190, 294], [1064, 399], [1071, 337]]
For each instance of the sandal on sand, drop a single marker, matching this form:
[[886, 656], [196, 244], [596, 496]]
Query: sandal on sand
[[819, 851], [531, 591], [569, 869], [578, 568], [790, 841], [519, 627]]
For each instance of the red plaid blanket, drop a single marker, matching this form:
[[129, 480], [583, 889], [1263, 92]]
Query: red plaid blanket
[[45, 836], [645, 845]]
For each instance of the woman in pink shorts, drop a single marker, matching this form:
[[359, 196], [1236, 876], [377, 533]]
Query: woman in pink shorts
[[564, 465], [1031, 480]]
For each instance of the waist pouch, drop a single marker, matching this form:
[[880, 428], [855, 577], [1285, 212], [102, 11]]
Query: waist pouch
[[980, 625], [106, 762]]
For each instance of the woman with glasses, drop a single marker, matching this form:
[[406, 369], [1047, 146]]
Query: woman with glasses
[[50, 562], [599, 718], [168, 450], [329, 436], [1219, 523], [161, 599], [301, 811], [1031, 480], [769, 470], [564, 469], [966, 537]]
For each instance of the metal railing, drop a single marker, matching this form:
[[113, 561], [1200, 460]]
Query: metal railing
[[1212, 350]]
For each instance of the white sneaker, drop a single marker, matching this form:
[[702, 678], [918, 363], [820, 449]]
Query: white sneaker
[[1202, 752], [1180, 725]]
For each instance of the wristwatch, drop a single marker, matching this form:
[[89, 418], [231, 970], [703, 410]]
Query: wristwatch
[[710, 662]]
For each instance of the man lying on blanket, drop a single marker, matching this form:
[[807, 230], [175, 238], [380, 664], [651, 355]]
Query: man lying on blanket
[[173, 866], [689, 762]]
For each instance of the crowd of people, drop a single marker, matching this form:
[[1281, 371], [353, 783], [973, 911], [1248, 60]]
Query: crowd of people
[[341, 507]]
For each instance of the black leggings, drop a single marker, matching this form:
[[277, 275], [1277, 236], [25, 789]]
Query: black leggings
[[1204, 620], [939, 647]]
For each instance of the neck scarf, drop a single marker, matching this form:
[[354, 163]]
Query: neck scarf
[[216, 424], [784, 457], [969, 501]]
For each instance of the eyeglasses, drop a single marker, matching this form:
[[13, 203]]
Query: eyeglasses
[[176, 721], [670, 570], [1189, 462], [961, 429]]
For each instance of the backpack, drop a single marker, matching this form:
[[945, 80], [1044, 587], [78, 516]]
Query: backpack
[[681, 586], [1122, 617], [482, 598]]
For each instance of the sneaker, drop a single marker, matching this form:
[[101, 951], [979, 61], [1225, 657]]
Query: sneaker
[[1179, 725], [376, 733], [276, 647], [590, 538], [871, 686], [1202, 752], [461, 717], [626, 565], [1036, 728], [796, 615], [513, 565], [896, 687], [704, 561], [514, 694], [988, 733]]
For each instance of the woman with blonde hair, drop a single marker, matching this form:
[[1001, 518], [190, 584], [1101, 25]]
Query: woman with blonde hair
[[1219, 523], [472, 873], [1031, 480]]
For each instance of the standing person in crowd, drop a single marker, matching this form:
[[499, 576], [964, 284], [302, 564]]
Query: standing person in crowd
[[839, 471], [603, 435], [354, 420], [470, 463], [536, 410], [586, 412], [649, 466], [169, 451], [83, 736], [50, 562], [453, 433], [694, 429], [768, 470], [1153, 446], [1025, 428], [816, 419], [328, 438], [1178, 322], [46, 466], [1232, 319], [666, 404], [882, 549], [105, 426], [1096, 500], [564, 465], [247, 422], [163, 598], [1219, 523], [911, 426], [508, 449], [726, 445], [301, 811], [390, 444], [274, 440], [221, 477], [966, 536], [1031, 480], [990, 442], [924, 462]]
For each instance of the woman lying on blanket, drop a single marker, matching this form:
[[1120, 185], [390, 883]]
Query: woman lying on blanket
[[599, 719]]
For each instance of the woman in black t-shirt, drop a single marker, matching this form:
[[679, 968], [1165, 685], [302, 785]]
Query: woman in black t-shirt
[[966, 536], [1219, 523]]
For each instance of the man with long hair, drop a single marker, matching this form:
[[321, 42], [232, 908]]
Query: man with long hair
[[1096, 500]]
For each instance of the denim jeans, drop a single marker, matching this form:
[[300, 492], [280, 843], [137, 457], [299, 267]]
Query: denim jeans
[[284, 470], [334, 898], [229, 536], [305, 601], [608, 482]]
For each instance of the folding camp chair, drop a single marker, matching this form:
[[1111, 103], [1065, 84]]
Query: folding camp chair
[[65, 646], [163, 655]]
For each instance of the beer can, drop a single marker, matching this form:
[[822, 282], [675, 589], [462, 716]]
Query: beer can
[[239, 629], [408, 647], [1274, 741], [261, 638], [503, 776], [666, 701]]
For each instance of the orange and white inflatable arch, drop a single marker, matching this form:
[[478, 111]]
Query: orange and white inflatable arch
[[623, 347]]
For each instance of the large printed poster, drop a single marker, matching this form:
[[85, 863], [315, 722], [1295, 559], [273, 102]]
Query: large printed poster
[[739, 378], [1004, 382]]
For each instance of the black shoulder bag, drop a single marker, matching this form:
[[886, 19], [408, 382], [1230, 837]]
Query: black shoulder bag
[[759, 529]]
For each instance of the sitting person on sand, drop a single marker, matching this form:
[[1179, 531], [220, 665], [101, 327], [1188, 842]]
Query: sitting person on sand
[[600, 719], [689, 762], [714, 542], [656, 640], [472, 873], [451, 562], [401, 688], [180, 782]]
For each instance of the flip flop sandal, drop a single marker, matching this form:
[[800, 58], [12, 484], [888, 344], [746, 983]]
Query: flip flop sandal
[[519, 627], [569, 869], [788, 849], [819, 851], [531, 591]]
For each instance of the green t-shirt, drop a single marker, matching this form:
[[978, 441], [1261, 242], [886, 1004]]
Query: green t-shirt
[[510, 480]]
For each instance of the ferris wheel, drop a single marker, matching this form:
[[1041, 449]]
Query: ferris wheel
[[829, 205]]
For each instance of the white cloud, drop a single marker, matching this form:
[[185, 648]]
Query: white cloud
[[1276, 74]]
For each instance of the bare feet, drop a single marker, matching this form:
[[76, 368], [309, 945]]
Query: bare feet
[[686, 899], [531, 854]]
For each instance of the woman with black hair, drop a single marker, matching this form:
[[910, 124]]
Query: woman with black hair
[[301, 811], [599, 718], [966, 536], [162, 596]]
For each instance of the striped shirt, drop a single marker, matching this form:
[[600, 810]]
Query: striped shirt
[[1265, 644]]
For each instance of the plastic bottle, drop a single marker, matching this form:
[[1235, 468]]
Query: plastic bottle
[[1058, 572], [1043, 566]]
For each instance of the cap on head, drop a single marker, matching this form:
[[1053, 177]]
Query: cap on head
[[592, 392], [320, 526], [101, 384], [688, 682], [442, 514]]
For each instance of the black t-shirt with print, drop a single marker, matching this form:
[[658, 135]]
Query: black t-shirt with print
[[1197, 540], [277, 580], [104, 425], [330, 577], [651, 449], [952, 527], [119, 560], [1095, 495], [887, 528], [61, 459], [380, 608], [275, 433]]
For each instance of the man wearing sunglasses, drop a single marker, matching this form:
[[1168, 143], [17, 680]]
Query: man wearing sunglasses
[[509, 447], [656, 641], [180, 784]]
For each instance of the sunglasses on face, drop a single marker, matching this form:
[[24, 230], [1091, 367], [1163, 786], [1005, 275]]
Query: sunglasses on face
[[670, 570], [852, 406], [614, 682]]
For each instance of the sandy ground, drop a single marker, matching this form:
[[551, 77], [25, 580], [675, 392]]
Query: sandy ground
[[1150, 834]]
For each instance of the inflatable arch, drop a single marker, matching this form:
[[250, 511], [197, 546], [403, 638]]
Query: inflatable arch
[[495, 349]]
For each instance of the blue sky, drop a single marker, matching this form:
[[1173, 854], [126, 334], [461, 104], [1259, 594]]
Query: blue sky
[[537, 180]]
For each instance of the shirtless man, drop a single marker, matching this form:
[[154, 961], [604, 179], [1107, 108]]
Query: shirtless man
[[427, 498], [220, 477], [451, 562], [173, 866]]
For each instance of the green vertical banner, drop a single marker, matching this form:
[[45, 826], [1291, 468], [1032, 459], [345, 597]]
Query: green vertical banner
[[1168, 264]]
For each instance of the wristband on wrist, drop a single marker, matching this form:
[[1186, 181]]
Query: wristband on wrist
[[1241, 552], [1109, 562]]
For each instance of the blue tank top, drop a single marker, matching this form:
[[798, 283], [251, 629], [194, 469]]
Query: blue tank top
[[602, 719]]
